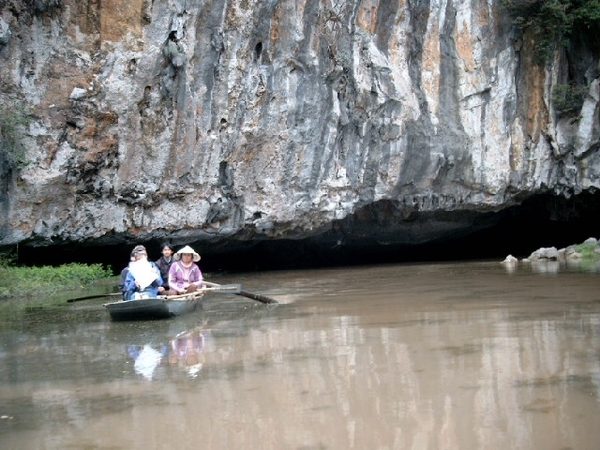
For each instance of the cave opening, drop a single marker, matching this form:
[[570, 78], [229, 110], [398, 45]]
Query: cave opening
[[542, 221]]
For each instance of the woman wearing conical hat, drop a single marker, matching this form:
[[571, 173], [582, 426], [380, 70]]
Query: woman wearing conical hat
[[185, 275]]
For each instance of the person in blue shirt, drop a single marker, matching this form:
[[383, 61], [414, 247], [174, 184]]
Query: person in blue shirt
[[143, 277]]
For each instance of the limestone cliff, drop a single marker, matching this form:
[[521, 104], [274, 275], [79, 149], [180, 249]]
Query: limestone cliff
[[234, 121]]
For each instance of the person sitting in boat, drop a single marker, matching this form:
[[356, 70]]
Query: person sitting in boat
[[143, 277], [164, 264], [185, 275]]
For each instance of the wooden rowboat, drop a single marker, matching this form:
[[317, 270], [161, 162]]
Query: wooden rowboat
[[161, 307]]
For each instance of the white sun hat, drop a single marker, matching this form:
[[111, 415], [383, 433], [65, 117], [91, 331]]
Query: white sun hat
[[189, 250]]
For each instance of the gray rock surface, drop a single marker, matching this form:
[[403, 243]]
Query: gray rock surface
[[223, 121]]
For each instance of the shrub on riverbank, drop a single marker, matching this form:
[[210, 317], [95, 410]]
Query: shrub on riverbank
[[18, 281], [589, 250], [586, 254]]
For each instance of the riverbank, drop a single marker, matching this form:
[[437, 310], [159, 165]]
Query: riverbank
[[26, 281], [586, 253]]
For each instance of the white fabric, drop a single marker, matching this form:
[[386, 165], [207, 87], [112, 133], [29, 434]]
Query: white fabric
[[143, 272]]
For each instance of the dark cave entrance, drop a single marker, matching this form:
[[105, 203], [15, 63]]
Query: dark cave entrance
[[542, 221]]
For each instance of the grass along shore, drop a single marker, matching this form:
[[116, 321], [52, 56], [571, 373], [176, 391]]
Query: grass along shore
[[24, 281]]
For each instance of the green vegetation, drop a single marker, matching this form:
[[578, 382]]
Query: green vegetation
[[553, 22], [589, 256], [28, 281], [568, 99], [556, 23], [588, 251], [13, 120]]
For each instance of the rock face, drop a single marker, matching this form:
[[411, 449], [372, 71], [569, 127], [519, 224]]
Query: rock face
[[233, 122]]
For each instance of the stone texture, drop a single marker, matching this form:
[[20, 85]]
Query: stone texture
[[224, 121]]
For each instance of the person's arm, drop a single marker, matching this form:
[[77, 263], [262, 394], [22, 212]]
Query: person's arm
[[130, 283], [164, 270], [159, 281], [197, 275], [123, 279]]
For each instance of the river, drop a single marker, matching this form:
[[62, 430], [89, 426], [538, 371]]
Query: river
[[458, 355]]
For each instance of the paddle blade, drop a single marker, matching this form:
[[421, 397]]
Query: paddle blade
[[238, 291], [226, 288], [258, 297]]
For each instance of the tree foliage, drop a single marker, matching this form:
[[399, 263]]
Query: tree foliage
[[568, 99], [553, 22]]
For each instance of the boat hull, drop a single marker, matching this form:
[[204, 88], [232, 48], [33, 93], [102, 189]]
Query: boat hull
[[153, 308]]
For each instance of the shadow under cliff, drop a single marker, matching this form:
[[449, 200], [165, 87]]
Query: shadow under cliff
[[378, 234]]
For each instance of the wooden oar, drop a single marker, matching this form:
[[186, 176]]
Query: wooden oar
[[257, 297], [227, 288], [88, 297]]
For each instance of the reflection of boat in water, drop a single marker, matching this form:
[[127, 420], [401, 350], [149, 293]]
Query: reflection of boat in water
[[146, 358], [161, 307], [187, 351], [184, 351]]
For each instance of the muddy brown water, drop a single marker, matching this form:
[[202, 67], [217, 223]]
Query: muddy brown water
[[467, 355]]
